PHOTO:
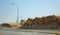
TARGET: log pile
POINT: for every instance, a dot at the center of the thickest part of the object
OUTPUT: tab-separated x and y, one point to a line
48	22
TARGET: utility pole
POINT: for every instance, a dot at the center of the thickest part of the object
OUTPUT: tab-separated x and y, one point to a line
17	20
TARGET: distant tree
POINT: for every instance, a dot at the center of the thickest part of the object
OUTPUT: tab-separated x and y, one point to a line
5	25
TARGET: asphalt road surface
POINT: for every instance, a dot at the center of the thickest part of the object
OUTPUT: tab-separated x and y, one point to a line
4	32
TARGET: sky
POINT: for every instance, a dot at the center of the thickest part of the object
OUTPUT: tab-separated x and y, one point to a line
27	9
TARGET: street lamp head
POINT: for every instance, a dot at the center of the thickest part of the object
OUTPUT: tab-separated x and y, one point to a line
15	4
12	3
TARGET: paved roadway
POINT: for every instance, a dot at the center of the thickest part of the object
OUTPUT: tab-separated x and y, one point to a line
4	32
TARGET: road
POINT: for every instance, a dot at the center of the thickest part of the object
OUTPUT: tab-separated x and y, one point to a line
4	32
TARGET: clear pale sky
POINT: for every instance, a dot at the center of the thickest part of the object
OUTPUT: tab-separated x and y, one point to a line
27	9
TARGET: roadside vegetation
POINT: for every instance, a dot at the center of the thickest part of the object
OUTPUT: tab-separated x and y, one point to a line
45	22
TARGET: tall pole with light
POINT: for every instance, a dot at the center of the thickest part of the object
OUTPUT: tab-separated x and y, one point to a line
17	12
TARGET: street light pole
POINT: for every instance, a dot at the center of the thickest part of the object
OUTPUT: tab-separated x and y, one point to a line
17	12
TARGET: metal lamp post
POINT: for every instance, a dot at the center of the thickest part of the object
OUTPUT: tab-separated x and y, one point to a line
17	12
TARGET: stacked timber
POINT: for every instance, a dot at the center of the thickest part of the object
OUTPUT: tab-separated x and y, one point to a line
48	22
